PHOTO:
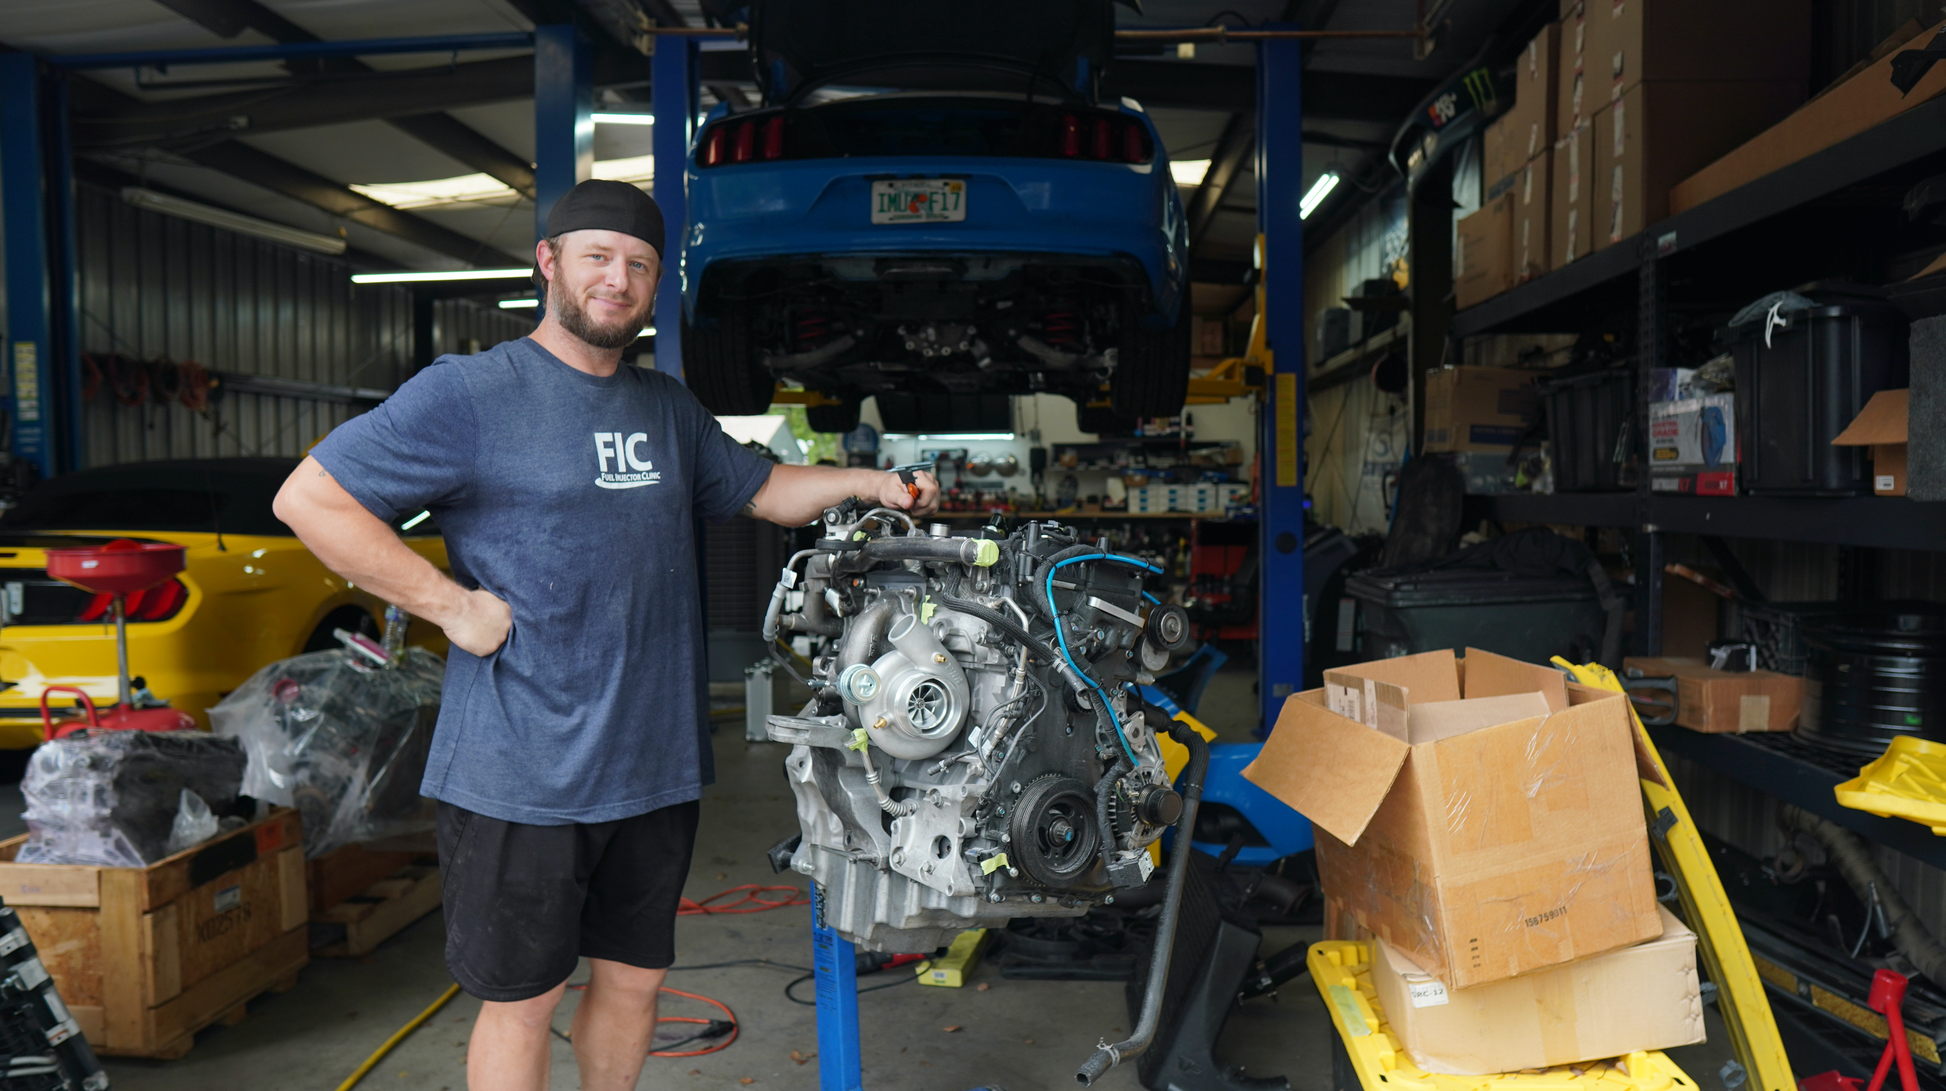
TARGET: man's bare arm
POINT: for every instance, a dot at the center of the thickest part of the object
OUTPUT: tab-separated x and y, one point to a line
795	495
357	545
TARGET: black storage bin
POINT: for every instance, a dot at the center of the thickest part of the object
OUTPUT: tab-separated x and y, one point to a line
1796	393
1523	617
1334	331
1587	428
1872	675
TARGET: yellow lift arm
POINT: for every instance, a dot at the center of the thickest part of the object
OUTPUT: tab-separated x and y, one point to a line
1739	991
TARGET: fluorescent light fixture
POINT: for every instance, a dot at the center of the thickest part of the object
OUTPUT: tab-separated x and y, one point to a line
636	168
518	304
464	189
1188	172
624	119
415	520
993	436
1320	189
231	221
435	277
647	332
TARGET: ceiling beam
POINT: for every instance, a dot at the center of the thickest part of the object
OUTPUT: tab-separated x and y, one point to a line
241	161
439	131
1342	96
1225	167
306	103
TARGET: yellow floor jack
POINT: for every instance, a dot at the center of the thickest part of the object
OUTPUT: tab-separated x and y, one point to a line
1377	1063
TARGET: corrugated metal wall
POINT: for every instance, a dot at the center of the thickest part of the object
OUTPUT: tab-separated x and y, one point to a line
154	287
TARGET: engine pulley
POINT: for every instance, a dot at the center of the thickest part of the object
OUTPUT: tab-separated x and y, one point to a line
1053	836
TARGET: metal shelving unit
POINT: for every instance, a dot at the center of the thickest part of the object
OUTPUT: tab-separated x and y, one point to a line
1780	766
1781	229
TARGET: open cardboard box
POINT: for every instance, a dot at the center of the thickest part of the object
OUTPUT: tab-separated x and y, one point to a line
1481	815
1638	998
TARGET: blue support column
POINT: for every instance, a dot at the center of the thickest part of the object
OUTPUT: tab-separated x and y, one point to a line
1281	610
564	116
673	85
840	1067
34	295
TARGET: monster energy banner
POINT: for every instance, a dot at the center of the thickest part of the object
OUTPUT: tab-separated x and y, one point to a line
1454	112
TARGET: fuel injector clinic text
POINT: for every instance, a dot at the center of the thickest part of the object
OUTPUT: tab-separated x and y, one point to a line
629	457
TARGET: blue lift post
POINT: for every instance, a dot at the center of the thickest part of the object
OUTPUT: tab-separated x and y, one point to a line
840	1065
673	90
564	116
39	278
1282	612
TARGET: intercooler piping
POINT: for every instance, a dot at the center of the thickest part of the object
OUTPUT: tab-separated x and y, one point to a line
1108	1056
1862	874
978	552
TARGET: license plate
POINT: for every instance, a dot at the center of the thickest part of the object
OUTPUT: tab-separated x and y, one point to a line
919	200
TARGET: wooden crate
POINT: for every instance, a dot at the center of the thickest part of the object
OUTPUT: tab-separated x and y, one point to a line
365	893
146	957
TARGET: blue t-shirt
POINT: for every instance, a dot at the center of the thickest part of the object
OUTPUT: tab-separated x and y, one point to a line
571	497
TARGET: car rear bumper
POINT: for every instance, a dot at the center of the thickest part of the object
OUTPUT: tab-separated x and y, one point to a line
817	209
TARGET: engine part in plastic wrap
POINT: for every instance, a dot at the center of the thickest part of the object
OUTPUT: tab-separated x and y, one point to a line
111	797
343	743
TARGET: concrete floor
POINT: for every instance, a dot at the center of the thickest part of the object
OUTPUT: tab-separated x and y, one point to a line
1021	1036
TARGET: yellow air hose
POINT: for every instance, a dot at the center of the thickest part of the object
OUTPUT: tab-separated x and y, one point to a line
417	1020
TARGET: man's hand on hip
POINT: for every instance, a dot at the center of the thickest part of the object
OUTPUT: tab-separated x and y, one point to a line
481	624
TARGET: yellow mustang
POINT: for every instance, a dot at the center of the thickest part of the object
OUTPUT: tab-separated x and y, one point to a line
251	594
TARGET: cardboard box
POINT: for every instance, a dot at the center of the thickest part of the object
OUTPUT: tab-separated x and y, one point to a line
1573	104
1633	41
1483	259
1496	161
1477	408
1533	217
1659	133
1572	202
1881	425
1692	436
1720	702
1483	816
1841	112
1638	998
1530	123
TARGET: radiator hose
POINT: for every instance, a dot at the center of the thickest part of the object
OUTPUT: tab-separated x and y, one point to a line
1862	874
1108	1056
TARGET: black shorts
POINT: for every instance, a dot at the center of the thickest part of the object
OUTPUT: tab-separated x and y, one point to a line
523	903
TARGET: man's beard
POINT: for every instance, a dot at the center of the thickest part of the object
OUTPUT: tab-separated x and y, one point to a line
568	311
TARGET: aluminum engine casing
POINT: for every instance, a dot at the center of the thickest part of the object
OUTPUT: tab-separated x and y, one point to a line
948	774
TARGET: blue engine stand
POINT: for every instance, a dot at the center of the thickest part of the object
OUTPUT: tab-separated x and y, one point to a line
835	959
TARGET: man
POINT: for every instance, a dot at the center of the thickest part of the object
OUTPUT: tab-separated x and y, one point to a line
572	743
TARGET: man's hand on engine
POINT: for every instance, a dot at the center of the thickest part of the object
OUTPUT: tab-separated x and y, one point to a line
921	497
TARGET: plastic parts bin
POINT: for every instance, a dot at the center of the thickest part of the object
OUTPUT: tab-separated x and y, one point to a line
1522	617
1801	378
1587	429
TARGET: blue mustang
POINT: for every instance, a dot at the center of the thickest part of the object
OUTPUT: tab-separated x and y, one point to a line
976	224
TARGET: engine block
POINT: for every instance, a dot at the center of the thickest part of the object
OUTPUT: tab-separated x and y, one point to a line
974	751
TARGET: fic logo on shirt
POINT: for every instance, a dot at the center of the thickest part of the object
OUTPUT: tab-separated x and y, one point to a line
632	470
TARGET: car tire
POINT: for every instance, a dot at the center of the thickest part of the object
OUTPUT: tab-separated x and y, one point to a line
721	367
352	619
1151	376
839	418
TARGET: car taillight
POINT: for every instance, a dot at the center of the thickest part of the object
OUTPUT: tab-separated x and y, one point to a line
155	604
743	140
1109	139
